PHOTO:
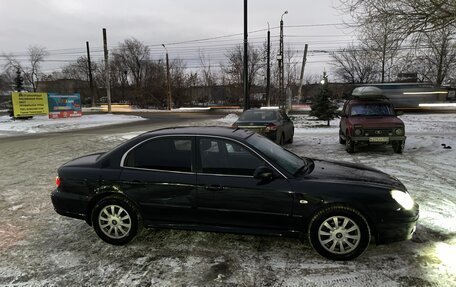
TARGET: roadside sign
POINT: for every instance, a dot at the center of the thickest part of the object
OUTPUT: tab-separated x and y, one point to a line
64	106
29	104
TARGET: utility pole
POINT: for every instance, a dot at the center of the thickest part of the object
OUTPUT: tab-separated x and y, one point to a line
280	59
89	65
301	78
246	67
168	80
108	77
268	70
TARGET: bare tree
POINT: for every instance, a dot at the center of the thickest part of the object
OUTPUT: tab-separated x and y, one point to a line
234	70
290	66
208	76
410	16
154	85
7	79
384	41
355	65
436	55
178	81
32	72
134	55
78	70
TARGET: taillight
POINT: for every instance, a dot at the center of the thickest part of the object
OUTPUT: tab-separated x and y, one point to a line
271	128
57	181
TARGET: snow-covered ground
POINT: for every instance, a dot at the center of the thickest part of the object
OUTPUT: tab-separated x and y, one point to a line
40	248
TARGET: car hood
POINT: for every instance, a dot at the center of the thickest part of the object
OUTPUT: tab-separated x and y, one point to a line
351	172
253	123
376	121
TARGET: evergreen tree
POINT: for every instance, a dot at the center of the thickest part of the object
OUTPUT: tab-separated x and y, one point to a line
19	81
322	106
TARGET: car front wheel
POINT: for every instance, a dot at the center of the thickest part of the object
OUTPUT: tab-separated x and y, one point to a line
115	220
281	139
398	146
339	233
349	145
341	139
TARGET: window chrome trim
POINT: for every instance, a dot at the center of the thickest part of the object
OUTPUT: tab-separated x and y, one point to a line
122	161
227	175
124	156
159	170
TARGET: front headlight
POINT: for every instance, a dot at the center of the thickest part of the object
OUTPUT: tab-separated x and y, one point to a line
399	131
358	130
403	198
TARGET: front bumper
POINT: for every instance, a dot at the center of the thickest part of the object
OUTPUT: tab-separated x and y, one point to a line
397	227
69	204
378	140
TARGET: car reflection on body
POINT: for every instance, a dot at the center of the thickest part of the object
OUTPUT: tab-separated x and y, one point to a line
233	180
272	123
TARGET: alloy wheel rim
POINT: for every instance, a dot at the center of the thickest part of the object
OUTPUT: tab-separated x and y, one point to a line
339	235
114	221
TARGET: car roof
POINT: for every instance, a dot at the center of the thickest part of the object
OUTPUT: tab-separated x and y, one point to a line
261	110
367	92
230	132
368	101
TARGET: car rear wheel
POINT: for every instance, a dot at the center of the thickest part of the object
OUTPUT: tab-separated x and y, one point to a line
398	146
291	138
339	233
115	220
349	145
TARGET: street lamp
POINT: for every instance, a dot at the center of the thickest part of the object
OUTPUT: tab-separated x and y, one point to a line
280	59
168	78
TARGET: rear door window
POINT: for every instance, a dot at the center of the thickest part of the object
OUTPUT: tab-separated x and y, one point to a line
167	153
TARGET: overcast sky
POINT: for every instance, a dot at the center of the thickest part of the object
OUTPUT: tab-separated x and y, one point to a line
63	27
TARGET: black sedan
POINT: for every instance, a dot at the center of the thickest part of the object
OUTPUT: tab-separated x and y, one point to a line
272	123
233	180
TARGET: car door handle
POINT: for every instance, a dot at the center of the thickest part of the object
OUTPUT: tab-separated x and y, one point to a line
213	187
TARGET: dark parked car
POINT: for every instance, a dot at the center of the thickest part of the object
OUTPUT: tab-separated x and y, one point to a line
369	118
272	123
233	180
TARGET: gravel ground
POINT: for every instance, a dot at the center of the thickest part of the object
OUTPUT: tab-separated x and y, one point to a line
41	248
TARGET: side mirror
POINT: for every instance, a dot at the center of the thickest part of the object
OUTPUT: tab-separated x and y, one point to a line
263	173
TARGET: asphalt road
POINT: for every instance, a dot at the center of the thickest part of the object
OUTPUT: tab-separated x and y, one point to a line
152	121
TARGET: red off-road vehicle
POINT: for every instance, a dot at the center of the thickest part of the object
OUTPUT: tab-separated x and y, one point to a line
370	119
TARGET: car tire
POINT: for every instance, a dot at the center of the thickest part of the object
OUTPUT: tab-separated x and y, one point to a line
290	141
398	146
341	140
349	145
339	233
281	139
115	220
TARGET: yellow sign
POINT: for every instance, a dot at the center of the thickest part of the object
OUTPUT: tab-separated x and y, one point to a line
30	104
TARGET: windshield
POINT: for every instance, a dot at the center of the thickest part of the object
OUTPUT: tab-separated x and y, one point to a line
278	155
258	115
375	109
